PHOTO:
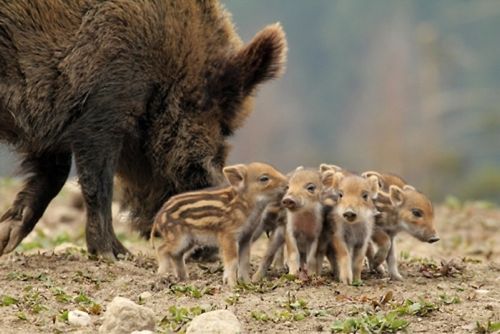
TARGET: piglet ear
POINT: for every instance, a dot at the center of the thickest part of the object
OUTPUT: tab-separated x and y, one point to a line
331	179
396	195
325	167
374	186
236	176
377	175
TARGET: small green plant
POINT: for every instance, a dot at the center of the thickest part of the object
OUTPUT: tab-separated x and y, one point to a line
190	290
8	300
178	317
489	327
82	298
370	323
447	300
421	308
63	315
233	299
292	309
61	296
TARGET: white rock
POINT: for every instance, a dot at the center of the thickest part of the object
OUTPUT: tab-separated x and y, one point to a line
142	332
145	295
79	318
214	322
123	316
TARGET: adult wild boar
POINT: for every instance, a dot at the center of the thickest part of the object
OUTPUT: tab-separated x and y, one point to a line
148	90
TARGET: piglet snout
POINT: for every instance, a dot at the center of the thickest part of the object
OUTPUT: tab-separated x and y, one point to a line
289	203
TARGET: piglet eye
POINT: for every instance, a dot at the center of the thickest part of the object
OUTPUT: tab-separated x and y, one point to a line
263	179
365	196
417	213
311	187
340	194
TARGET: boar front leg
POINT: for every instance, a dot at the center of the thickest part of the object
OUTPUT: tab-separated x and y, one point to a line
392	262
96	158
229	248
312	260
275	244
343	260
48	174
292	252
244	258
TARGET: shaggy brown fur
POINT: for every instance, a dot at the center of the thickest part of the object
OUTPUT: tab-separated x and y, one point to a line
145	89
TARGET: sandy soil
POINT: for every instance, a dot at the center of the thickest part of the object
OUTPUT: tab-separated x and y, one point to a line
450	287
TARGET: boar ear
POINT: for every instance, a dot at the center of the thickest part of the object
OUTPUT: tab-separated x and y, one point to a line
374	186
327	178
331	179
396	195
325	167
236	176
377	175
262	59
408	187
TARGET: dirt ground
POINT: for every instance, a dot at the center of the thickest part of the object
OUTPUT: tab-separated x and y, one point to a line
452	286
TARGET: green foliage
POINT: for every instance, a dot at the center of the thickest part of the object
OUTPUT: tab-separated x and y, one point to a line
191	290
371	323
233	299
421	308
177	317
489	327
8	300
292	309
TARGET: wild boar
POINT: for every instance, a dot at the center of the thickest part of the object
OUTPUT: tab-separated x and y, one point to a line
147	90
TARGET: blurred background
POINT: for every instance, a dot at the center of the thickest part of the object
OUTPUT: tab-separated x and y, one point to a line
408	86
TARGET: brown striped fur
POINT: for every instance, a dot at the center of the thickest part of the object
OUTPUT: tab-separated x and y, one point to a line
402	208
352	219
219	217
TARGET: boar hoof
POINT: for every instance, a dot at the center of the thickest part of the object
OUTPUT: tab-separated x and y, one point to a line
11	235
257	277
396	277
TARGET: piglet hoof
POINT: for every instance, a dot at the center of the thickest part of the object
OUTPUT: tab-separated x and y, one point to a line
11	235
303	275
257	277
396	277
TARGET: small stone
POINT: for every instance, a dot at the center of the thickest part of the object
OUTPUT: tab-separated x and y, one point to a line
79	318
482	291
142	332
145	295
215	322
123	316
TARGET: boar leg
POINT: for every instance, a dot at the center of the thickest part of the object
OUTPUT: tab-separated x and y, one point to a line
48	174
312	261
95	164
164	259
229	248
276	243
279	257
244	258
383	241
359	254
344	260
292	253
392	263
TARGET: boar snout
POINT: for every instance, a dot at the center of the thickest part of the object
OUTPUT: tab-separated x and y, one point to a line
350	215
433	239
289	203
